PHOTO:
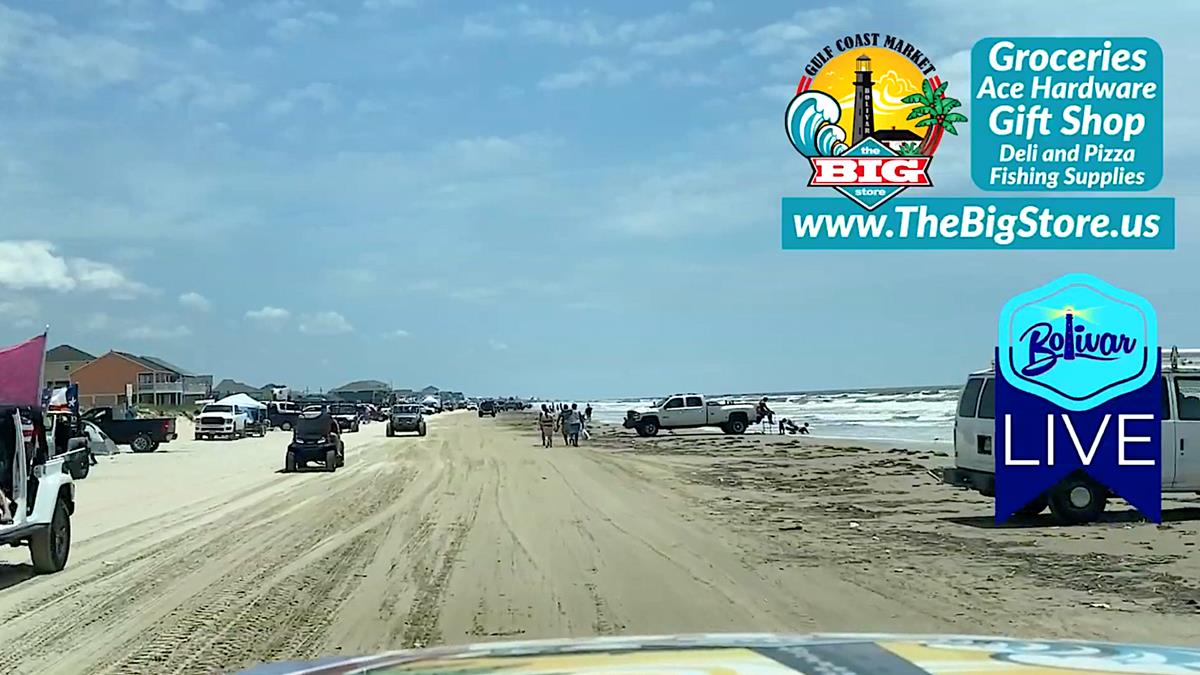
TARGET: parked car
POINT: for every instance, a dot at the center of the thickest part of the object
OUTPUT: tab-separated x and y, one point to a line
218	420
346	415
1078	498
48	492
487	408
141	434
406	417
690	411
282	414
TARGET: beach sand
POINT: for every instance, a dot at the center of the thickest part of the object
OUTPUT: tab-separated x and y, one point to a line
201	557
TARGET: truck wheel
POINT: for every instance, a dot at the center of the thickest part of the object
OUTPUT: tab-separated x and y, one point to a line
289	462
141	443
331	458
725	428
286	426
51	545
1033	508
1077	500
421	429
390	433
647	428
153	446
736	425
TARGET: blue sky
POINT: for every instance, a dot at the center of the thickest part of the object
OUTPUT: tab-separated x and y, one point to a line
538	198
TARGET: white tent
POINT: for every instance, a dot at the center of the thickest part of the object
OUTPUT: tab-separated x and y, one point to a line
241	400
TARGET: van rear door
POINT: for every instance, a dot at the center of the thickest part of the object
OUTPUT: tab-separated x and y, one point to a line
974	424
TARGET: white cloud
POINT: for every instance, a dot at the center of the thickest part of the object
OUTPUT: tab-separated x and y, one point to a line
291	27
200	92
272	317
201	45
497	345
193	6
702	6
20	311
806	25
194	300
593	71
145	332
582	28
398	333
34	265
37	44
682	44
95	322
325	323
320	94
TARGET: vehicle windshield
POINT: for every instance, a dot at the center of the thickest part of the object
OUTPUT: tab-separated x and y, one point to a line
343	409
218	409
406	409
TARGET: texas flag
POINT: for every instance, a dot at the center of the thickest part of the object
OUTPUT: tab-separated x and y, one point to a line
21	372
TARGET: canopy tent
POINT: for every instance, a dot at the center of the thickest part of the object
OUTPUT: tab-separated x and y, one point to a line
242	401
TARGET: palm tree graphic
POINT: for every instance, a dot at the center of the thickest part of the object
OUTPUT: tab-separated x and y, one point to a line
935	106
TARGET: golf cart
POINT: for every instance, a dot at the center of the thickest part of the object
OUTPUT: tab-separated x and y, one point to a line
40	488
314	440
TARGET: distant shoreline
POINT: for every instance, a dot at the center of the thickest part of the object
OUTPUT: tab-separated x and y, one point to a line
806	392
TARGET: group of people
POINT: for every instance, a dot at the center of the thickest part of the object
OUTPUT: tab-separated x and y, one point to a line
570	421
786	426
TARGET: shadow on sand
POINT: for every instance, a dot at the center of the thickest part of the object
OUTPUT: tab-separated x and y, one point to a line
1176	515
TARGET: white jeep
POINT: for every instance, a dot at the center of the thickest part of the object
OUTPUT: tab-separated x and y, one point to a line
1078	498
690	411
44	498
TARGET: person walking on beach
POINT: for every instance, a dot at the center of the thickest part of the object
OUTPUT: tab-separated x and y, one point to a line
587	413
574	420
546	423
563	413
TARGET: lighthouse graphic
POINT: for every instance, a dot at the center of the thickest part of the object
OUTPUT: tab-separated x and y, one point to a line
864	112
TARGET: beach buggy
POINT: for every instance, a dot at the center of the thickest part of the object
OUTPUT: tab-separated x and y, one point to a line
315	439
39	495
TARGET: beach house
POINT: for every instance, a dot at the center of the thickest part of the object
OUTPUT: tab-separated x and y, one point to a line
119	378
60	361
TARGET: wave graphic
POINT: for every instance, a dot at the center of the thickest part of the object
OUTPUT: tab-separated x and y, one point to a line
812	119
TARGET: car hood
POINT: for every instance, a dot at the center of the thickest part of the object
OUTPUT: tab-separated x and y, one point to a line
769	654
222	415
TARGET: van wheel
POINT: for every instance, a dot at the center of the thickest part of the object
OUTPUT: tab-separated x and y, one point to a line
1077	500
289	462
331	458
736	425
142	443
51	545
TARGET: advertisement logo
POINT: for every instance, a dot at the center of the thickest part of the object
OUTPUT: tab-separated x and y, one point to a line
1078	399
1078	342
870	118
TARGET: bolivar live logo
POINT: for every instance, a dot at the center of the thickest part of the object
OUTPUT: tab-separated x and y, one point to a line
1078	401
896	123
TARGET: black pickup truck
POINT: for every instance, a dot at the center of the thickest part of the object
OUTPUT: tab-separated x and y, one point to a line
141	435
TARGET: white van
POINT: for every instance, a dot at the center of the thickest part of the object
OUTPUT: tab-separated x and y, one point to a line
1078	499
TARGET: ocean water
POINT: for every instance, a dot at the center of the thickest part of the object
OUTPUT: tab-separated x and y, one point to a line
912	414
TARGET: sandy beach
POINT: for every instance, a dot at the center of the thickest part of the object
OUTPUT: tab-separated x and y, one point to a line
202	557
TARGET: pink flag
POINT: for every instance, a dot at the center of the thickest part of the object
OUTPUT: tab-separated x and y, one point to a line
21	372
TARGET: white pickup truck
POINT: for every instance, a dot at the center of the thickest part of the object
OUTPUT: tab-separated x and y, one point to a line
217	420
690	411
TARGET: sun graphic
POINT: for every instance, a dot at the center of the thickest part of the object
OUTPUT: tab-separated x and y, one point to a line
894	76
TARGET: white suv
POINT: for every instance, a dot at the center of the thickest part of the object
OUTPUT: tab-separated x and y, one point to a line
1079	499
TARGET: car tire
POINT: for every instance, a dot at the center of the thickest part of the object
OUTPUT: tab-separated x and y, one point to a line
142	443
286	426
421	429
736	425
390	432
1077	500
154	446
51	546
289	462
331	460
647	428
